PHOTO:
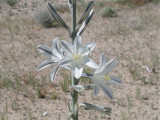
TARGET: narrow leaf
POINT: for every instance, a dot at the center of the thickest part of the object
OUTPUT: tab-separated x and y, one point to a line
85	23
99	108
70	5
57	17
69	116
82	88
85	14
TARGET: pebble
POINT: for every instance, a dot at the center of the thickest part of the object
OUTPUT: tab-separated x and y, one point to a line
24	5
45	114
145	98
59	108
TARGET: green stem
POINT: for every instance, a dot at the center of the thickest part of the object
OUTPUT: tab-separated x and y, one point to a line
74	94
74	21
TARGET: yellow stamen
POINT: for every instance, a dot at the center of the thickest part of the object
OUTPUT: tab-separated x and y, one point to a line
77	57
107	77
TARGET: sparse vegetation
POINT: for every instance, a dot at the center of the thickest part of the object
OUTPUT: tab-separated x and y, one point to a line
41	93
14	105
138	93
136	2
11	2
65	83
54	95
43	17
109	12
5	81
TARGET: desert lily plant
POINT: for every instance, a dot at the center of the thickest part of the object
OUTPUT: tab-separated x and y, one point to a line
75	57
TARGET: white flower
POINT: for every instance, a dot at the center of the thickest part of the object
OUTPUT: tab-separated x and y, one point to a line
55	54
77	56
101	78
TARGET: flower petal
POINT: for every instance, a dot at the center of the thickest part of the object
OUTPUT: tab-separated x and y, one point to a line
65	61
90	46
115	80
101	84
55	44
85	23
77	72
91	64
45	64
102	61
67	46
57	17
107	90
45	50
53	72
96	90
56	48
107	67
77	43
87	48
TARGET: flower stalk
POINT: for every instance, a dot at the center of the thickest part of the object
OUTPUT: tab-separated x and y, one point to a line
74	93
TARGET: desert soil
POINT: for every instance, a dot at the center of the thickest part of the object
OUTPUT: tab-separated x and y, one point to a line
133	37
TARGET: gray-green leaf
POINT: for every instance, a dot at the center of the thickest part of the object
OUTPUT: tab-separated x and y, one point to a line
85	23
57	17
85	14
81	88
99	108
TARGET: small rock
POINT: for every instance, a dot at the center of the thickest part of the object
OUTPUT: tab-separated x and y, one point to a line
24	5
45	114
59	108
145	98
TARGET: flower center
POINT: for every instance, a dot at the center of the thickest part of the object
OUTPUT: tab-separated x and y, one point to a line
77	57
107	77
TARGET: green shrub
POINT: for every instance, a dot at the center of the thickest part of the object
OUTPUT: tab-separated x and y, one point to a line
11	2
137	2
65	83
109	12
43	17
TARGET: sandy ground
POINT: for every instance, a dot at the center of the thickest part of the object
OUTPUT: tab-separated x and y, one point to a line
133	37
